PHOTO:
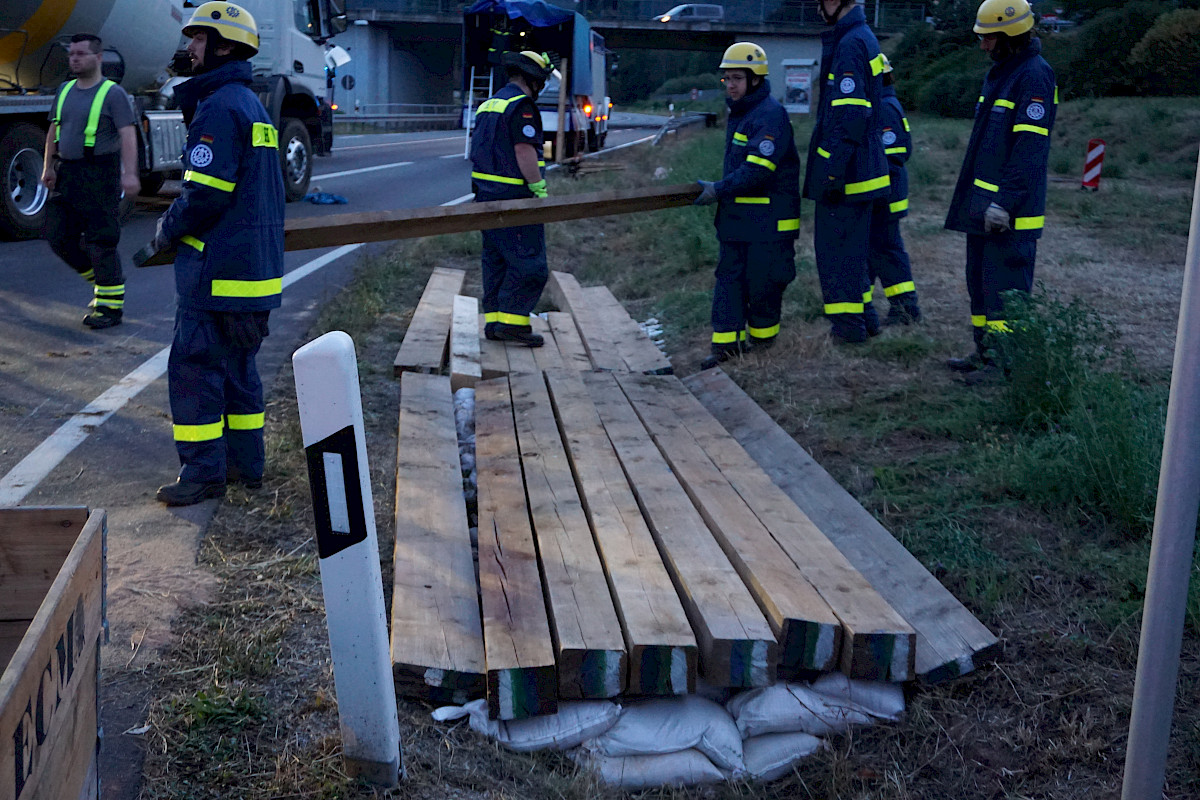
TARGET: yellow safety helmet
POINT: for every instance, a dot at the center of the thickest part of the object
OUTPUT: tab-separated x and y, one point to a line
745	55
1010	17
531	64
234	24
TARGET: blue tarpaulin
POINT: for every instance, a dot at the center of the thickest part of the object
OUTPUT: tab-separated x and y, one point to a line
537	13
562	33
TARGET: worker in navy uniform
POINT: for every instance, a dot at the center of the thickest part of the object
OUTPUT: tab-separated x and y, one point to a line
90	159
1000	198
506	165
758	211
228	227
847	172
888	260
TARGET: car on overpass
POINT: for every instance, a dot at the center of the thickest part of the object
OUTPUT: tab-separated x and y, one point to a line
693	12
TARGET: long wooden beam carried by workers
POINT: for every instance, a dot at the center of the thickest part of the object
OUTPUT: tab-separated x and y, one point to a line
308	233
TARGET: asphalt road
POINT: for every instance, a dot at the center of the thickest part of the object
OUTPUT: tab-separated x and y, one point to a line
85	419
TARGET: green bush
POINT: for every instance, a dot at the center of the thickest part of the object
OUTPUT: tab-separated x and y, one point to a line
1168	55
1098	64
685	83
952	93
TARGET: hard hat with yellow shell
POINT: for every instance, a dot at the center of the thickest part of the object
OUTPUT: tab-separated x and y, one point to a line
1010	17
233	23
745	55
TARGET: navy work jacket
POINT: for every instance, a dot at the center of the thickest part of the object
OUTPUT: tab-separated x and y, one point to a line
845	152
897	146
228	220
759	193
495	173
1009	149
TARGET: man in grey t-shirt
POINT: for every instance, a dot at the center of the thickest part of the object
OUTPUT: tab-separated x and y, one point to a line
91	158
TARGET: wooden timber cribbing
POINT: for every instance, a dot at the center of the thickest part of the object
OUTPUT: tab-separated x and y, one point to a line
660	642
737	645
877	643
493	355
437	639
425	341
950	641
587	634
809	633
465	367
611	338
521	677
336	230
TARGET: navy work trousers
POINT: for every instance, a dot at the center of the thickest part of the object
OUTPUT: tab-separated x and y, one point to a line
841	240
996	263
514	272
751	278
82	224
888	260
216	401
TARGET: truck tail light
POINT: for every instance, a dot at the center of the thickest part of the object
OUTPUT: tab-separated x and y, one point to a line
587	109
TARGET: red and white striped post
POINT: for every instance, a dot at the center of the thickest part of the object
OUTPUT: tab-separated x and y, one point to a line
1092	164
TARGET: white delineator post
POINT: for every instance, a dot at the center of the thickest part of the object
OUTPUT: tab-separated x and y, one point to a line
331	422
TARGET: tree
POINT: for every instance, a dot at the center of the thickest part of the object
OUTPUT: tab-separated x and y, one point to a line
1168	56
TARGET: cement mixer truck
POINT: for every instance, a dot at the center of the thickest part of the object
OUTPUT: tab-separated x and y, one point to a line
143	53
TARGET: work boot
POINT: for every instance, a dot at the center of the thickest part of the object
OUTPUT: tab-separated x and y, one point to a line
720	355
233	475
970	363
900	314
519	334
489	331
871	320
101	318
187	493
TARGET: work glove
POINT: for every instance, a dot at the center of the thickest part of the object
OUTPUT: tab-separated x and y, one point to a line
539	188
244	330
708	194
995	220
161	242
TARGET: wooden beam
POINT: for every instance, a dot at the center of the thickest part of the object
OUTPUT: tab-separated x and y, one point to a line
383	226
592	661
877	643
565	291
520	359
437	637
660	642
34	542
465	369
493	355
631	342
546	356
11	633
425	341
737	645
810	635
521	676
566	336
950	640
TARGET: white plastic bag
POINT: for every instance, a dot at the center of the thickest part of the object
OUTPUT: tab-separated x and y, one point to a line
772	755
881	700
669	725
793	707
684	768
574	722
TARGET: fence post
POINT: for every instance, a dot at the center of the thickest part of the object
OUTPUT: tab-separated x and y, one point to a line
1091	165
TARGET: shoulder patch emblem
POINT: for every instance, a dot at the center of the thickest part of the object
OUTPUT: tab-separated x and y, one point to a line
847	85
529	131
766	147
1035	111
889	137
201	156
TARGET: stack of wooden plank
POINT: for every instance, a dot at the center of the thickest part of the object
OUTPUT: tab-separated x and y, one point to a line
627	540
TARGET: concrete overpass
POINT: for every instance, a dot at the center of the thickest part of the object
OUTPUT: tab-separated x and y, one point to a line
410	51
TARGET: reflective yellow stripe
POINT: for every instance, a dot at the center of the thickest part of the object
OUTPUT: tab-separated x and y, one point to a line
881	182
245	422
998	325
491	316
193	241
724	337
227	288
107	291
741	137
978	320
1031	129
899	288
877	65
1028	223
263	134
868	294
209	180
982	184
757	201
62	96
843	308
764	333
762	162
108	302
89	276
511	319
851	101
823	153
93	120
1005	104
497	105
199	433
891	151
483	176
898	206
980	100
906	125
829	77
792	224
1055	95
541	164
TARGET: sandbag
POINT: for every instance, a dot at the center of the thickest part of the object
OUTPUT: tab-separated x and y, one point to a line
773	755
881	700
683	768
791	708
574	722
669	725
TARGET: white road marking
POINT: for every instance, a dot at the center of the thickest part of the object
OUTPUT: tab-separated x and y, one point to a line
395	144
454	155
344	173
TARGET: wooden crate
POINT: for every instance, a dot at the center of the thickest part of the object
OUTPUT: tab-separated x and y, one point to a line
51	621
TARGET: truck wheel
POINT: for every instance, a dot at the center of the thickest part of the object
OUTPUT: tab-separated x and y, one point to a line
23	203
295	158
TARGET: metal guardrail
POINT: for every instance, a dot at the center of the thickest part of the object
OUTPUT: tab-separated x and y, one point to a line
399	111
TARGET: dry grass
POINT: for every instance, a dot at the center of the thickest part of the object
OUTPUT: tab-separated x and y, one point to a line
246	703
